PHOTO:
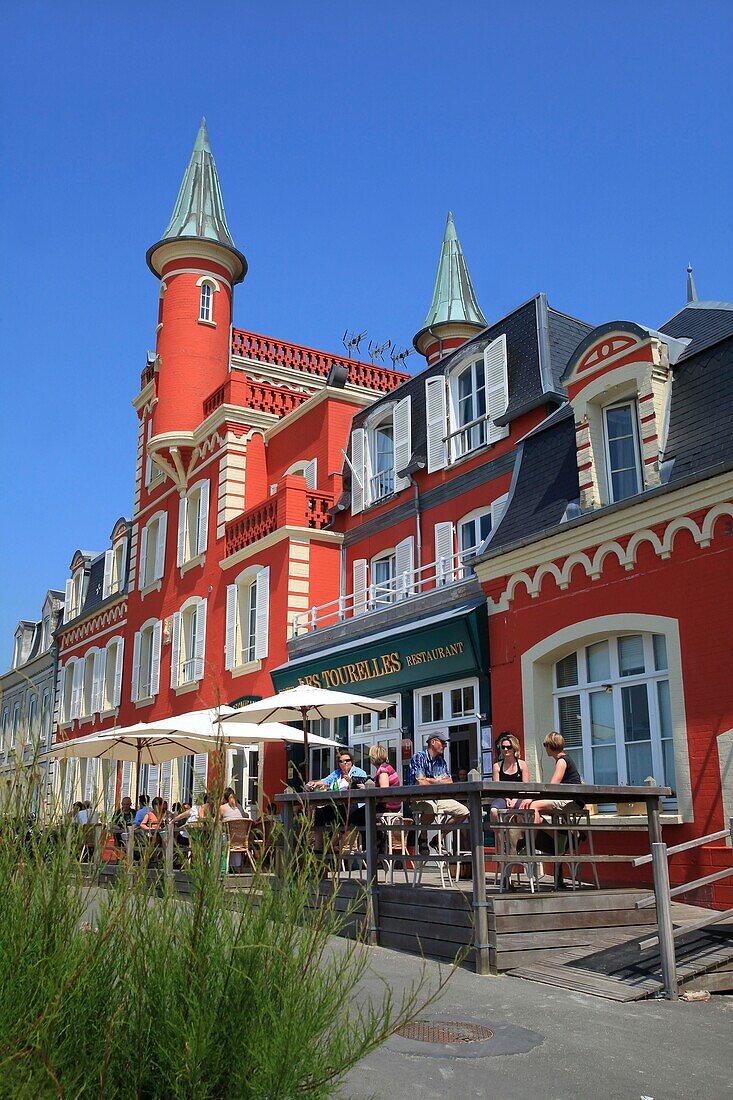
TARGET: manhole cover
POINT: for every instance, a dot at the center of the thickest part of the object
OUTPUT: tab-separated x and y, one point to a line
447	1031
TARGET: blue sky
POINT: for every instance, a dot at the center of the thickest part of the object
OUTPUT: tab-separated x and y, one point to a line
584	150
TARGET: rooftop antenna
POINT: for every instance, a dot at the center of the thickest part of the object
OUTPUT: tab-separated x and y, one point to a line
376	351
352	340
400	356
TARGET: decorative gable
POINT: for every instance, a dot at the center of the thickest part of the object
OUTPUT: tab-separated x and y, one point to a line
619	364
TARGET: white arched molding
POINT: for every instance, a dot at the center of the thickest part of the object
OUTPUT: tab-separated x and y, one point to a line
208	286
210	280
537	687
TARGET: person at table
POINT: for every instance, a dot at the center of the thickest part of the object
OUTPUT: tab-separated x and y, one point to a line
384	776
566	771
122	819
428	767
344	777
230	810
509	768
153	819
142	809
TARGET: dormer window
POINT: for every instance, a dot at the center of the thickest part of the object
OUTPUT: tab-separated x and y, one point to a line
379	451
623	456
114	568
73	596
469	402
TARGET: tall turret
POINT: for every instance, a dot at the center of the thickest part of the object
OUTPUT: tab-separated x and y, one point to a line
198	267
454	315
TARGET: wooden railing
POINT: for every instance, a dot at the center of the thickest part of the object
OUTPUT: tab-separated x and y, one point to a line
474	795
264	349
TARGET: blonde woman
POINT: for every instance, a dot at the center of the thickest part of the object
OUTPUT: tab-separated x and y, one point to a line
509	768
384	776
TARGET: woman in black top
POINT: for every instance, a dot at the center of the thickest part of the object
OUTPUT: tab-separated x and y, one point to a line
508	769
566	771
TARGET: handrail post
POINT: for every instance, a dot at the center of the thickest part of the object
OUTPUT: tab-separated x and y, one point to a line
372	865
478	870
287	816
660	867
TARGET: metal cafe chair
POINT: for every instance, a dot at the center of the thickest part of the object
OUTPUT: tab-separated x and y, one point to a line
516	825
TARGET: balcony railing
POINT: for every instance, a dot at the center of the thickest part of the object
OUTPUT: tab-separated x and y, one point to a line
254	395
403	586
293	505
381	485
469	437
264	349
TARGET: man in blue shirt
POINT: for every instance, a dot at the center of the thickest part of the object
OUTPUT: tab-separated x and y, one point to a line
345	776
143	808
427	768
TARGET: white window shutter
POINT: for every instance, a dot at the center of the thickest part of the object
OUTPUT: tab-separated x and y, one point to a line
262	613
360	586
67	599
497	387
402	432
176	649
200	645
155	642
109	768
98	680
153	780
143	557
230	637
118	674
182	510
404	567
108	562
126	781
135	687
310	473
497	510
160	546
444	553
122	578
166	780
77	687
358	473
203	531
200	773
91	780
436	422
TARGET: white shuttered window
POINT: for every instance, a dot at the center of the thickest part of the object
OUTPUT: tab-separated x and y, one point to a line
497	387
435	401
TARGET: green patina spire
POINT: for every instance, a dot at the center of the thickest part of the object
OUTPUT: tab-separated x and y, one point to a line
454	298
199	210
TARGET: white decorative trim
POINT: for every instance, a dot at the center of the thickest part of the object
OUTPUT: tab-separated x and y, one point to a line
205	276
154	586
198	560
300	534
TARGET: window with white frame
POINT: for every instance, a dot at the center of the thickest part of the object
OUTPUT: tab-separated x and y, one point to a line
206	302
45	633
91	665
114	568
322	757
379	451
74	595
248	618
15	728
32	730
612	706
462	408
152	471
152	550
623	450
72	689
193	522
307	469
5	729
450	709
383	729
46	718
111	674
390	576
146	661
189	643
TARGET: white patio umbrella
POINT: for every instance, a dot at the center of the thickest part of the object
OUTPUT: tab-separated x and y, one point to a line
303	703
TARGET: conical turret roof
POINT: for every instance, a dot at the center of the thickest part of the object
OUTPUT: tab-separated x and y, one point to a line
199	210
454	299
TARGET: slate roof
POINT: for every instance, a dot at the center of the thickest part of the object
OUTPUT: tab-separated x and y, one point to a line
703	323
539	341
699	438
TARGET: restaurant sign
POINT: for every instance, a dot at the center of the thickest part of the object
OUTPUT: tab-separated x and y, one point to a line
439	652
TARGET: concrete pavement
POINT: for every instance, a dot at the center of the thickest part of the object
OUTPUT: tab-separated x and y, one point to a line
584	1047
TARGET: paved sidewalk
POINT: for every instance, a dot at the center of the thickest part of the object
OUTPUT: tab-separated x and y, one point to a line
578	1046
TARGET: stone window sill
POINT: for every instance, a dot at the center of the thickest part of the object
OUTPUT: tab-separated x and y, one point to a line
243	670
184	689
154	586
192	563
211	324
145	702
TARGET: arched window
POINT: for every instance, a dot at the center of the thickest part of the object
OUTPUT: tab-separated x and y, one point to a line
189	643
193	522
612	706
33	730
206	302
146	661
152	550
111	683
248	616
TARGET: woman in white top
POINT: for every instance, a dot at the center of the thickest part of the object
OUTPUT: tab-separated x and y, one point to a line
230	810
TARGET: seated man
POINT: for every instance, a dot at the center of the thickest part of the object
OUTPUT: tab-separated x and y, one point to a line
122	819
428	768
342	778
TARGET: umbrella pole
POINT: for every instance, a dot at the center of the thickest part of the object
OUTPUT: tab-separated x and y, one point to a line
306	763
137	777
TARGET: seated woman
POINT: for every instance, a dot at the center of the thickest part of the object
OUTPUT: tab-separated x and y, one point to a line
508	769
566	771
342	778
385	776
230	810
153	819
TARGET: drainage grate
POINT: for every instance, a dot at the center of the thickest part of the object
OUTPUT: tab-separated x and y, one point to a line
447	1031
